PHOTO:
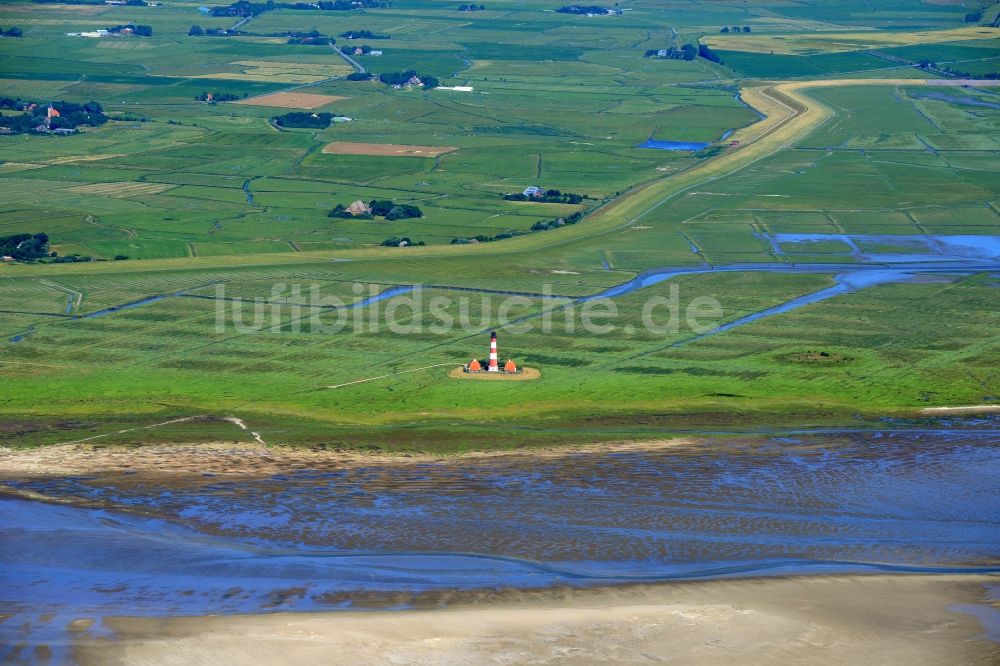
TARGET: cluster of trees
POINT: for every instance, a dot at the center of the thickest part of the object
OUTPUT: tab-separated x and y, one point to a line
555	224
26	123
581	9
25	247
471	8
735	28
137	30
360	76
71	115
340	210
33	247
245	8
977	16
11	32
686	52
379	208
393	211
401	78
312	38
218	97
363	34
349	50
395	241
548	196
708	54
303	119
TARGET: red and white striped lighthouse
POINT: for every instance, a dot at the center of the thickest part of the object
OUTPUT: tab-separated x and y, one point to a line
493	366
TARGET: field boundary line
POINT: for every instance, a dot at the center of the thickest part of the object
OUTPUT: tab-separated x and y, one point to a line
391	374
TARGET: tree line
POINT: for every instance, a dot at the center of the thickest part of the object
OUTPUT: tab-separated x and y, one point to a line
581	9
511	233
130	3
735	28
218	97
548	196
198	31
245	8
312	38
991	76
11	32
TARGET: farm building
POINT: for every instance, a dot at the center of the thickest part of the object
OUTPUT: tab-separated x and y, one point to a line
359	208
532	191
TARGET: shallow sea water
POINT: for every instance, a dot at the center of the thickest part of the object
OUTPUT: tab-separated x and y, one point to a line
334	537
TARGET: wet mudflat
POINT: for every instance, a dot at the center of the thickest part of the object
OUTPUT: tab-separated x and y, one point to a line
331	535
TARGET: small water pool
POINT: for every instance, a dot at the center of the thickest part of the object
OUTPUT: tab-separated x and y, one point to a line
692	146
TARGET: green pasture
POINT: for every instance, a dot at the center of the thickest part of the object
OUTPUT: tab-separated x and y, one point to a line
171	356
560	102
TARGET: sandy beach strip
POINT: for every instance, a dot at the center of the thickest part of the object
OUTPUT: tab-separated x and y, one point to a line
252	460
965	409
808	620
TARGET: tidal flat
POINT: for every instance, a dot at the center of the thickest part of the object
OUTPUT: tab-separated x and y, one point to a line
93	533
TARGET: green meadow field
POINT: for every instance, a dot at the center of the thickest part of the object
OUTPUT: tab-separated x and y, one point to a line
216	208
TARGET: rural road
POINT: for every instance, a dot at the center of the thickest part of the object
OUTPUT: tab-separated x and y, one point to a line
354	63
